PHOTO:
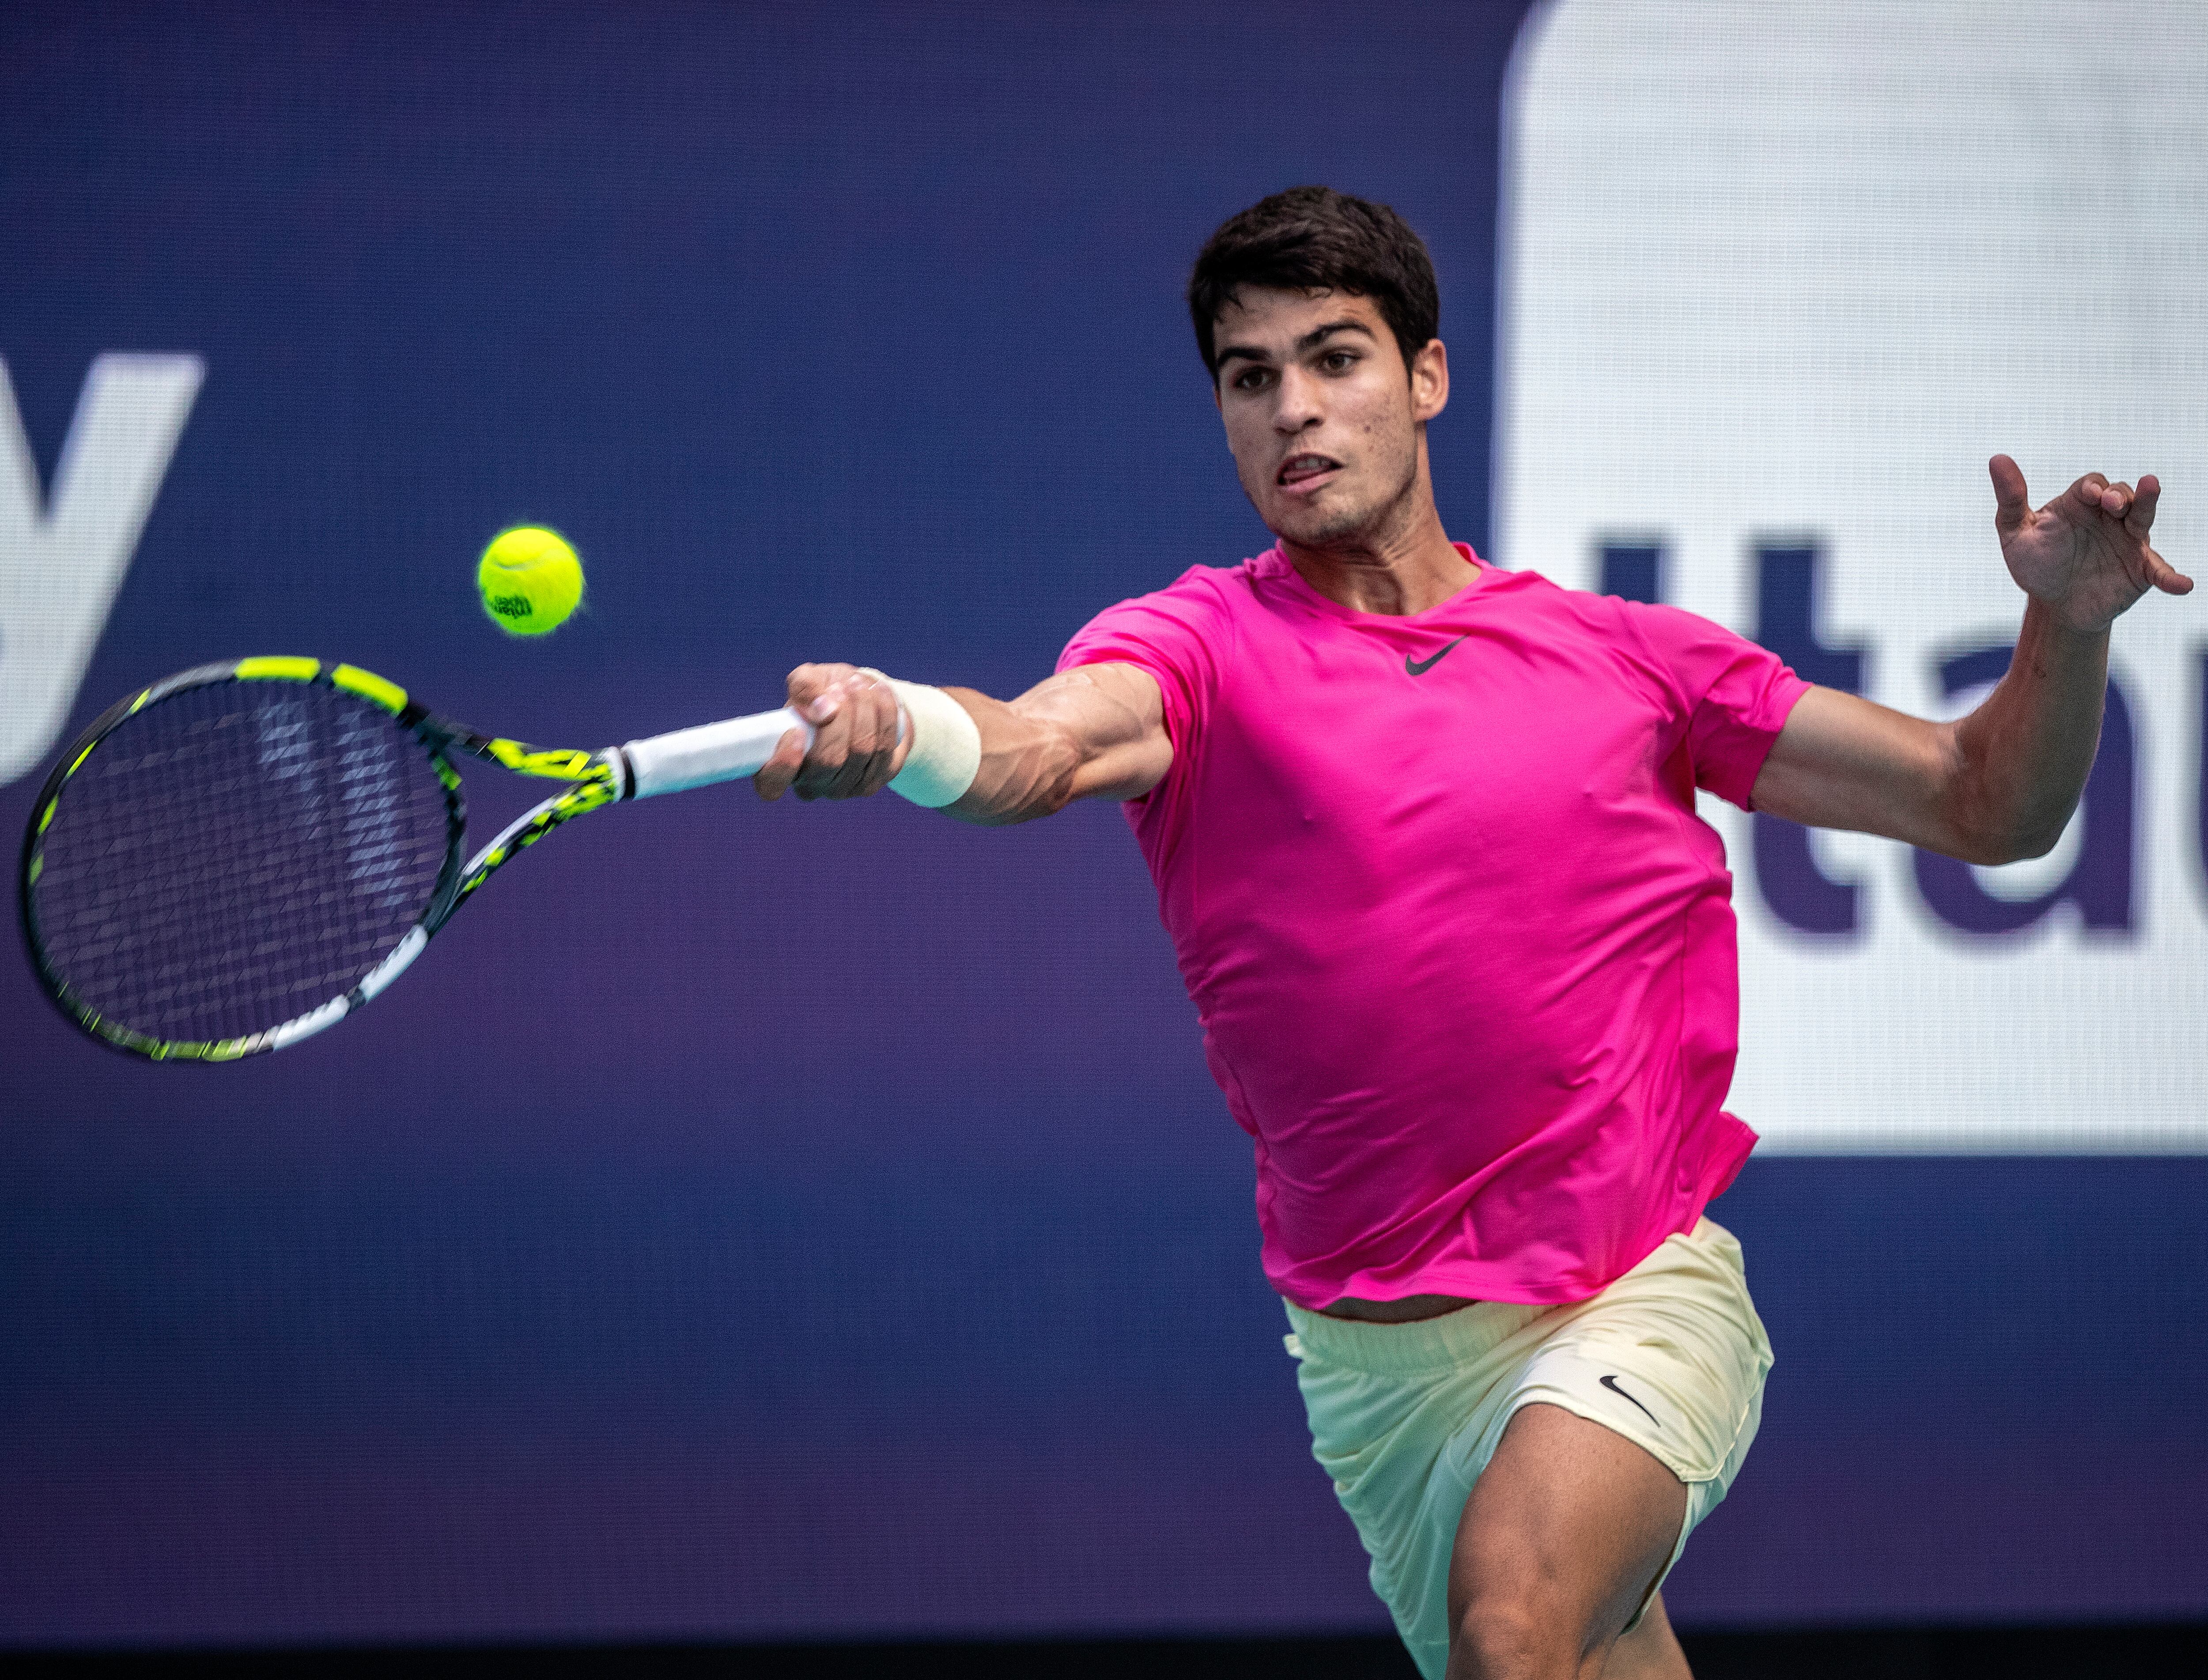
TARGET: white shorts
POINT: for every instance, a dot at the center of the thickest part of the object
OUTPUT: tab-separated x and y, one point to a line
1404	1416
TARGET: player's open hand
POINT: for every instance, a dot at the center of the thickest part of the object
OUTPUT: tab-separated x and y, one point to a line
2086	554
857	742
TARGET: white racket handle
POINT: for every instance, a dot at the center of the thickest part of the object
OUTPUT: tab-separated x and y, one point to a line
725	752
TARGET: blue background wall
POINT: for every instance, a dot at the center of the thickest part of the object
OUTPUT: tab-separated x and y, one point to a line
804	1220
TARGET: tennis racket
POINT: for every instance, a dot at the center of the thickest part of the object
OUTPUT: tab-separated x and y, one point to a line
239	857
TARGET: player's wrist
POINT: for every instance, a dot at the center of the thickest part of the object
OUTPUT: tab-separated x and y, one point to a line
2069	619
943	754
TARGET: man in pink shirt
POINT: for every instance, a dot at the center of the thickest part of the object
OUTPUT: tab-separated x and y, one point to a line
1423	836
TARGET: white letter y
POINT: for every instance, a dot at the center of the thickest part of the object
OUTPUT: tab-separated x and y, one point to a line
61	564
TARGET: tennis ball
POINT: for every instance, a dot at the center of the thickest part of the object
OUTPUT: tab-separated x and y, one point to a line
530	580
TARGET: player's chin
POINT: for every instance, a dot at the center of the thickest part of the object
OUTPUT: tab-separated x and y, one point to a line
1313	523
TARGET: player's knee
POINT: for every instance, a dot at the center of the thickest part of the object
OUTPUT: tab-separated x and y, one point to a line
1515	1632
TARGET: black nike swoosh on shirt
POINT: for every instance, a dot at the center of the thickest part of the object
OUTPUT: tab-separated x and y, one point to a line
1611	1383
1420	667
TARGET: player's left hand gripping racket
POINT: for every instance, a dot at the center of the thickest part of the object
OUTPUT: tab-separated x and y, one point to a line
245	854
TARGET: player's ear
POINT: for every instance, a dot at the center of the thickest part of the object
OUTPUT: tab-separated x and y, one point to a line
1430	381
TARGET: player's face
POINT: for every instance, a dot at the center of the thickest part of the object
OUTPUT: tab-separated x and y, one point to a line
1324	420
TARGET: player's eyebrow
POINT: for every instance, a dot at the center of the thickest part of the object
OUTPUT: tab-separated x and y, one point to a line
1318	335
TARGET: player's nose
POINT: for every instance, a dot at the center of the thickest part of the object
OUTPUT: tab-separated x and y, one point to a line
1298	404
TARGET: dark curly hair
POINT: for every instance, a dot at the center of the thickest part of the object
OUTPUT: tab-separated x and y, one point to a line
1310	238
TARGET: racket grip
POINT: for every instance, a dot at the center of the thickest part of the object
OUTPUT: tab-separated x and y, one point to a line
698	758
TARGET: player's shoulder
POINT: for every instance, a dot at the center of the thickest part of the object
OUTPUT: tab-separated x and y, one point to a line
1534	592
1681	653
1610	629
1188	622
1226	583
1201	591
1605	615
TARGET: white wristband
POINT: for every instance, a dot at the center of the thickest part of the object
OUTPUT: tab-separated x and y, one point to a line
945	753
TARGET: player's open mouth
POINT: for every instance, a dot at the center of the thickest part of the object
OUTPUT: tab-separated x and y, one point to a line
1305	473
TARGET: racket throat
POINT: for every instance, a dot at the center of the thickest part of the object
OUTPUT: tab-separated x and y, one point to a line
617	758
400	959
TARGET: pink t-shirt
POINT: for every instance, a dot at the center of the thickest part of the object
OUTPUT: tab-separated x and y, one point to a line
1462	950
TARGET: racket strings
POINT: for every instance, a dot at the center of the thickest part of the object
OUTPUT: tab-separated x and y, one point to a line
235	855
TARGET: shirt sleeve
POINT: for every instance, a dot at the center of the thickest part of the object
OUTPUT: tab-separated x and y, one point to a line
1736	695
1177	634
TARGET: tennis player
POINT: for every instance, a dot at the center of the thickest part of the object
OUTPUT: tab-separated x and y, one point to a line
1423	835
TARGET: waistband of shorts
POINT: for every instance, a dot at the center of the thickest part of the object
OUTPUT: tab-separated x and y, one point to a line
1451	1340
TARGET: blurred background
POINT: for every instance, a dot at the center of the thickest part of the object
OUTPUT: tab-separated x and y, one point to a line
812	1227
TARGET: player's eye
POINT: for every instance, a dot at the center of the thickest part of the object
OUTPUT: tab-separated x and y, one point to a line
1339	361
1249	379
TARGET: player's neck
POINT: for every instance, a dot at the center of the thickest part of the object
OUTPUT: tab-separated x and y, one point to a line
1406	568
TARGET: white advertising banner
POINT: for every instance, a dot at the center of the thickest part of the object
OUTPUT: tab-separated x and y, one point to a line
1776	281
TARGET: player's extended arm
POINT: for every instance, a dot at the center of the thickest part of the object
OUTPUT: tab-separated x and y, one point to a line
1094	732
2000	784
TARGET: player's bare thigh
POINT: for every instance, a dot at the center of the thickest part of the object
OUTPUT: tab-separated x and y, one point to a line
1566	1530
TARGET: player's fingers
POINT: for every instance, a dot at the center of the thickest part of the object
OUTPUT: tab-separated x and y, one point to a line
873	715
856	721
831	719
2081	502
871	773
2144	502
2116	500
809	685
2165	577
2011	501
804	684
884	720
772	779
845	710
839	776
845	746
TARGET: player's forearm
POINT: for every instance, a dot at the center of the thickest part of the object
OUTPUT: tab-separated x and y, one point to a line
1027	763
2020	760
1073	737
1093	731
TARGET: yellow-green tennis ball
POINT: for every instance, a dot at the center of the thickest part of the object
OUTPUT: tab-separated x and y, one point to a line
530	580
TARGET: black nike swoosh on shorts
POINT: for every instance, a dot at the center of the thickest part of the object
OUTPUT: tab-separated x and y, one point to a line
1611	1383
1420	667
